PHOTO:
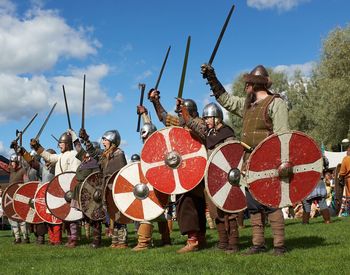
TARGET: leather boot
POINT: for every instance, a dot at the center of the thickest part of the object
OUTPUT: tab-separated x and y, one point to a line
277	226
240	219
191	246
40	239
258	229
326	215
120	236
144	237
209	220
164	232
96	234
306	217
233	237
223	236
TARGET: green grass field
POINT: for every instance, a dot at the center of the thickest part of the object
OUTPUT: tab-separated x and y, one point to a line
316	248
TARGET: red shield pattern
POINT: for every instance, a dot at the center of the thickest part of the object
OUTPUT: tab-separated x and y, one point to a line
284	168
7	202
23	202
173	161
58	195
225	194
135	197
41	207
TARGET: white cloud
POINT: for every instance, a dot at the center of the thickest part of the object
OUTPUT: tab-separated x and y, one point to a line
281	5
36	42
144	75
125	49
289	70
4	150
40	92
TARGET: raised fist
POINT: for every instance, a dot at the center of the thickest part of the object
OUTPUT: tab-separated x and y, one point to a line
14	145
141	110
153	95
83	135
207	71
20	151
34	144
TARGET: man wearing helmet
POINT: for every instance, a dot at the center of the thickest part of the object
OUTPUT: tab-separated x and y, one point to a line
263	113
64	162
145	229
18	175
190	208
110	161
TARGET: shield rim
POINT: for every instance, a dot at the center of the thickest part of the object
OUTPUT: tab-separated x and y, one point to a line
207	172
115	201
261	144
2	199
202	149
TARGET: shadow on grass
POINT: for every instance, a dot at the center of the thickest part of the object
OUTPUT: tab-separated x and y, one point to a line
306	242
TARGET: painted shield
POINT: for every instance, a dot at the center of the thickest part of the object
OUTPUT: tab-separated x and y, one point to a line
135	197
23	202
112	210
284	168
173	161
222	177
41	207
59	195
7	202
91	197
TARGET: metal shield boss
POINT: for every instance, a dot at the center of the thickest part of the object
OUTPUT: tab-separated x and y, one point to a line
173	161
59	195
222	177
112	210
7	202
41	207
135	197
23	202
91	197
284	168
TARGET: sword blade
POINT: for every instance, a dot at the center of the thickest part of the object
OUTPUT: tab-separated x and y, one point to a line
162	69
67	111
54	137
184	67
83	107
45	122
221	35
20	133
143	87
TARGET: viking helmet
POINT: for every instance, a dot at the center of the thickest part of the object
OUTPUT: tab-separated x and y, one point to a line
66	138
147	129
191	107
259	76
135	157
113	136
14	158
213	110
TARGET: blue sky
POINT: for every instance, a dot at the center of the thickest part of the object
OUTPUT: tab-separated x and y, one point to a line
118	44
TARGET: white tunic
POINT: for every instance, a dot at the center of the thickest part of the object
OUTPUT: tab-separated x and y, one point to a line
64	162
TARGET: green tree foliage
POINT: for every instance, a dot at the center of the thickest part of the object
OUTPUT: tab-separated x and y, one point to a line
330	94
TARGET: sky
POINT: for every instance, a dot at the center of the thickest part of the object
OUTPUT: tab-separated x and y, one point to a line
118	44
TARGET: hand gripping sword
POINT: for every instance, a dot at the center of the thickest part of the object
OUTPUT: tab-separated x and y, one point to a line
45	122
221	35
142	87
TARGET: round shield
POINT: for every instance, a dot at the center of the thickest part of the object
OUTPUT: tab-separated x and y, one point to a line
135	197
223	175
91	197
7	202
112	210
23	202
283	169
41	207
173	161
59	195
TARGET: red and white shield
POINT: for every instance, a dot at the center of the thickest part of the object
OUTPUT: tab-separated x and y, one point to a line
112	210
223	176
59	195
173	161
284	168
135	197
7	202
91	197
41	207
23	202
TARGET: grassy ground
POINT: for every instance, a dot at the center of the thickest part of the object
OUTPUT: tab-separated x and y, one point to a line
316	248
